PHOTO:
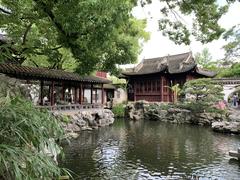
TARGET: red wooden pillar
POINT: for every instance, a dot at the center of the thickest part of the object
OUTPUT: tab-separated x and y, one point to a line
80	94
102	94
41	92
161	82
52	93
91	93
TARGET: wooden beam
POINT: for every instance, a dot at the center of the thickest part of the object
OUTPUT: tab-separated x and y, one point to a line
41	92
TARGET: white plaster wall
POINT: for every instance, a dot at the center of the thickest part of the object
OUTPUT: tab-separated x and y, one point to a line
228	90
87	95
122	98
34	92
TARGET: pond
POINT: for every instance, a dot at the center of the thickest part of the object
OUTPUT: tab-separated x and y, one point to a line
152	150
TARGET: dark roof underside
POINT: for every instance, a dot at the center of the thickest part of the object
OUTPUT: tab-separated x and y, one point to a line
44	73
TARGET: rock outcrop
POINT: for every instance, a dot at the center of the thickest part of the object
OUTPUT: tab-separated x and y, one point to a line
169	113
226	127
73	122
225	123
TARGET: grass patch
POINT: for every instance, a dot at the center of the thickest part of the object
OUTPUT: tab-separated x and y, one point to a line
119	110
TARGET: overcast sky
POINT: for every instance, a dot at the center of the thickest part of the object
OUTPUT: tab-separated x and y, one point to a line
159	45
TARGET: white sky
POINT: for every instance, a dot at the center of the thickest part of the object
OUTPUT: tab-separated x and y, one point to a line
158	45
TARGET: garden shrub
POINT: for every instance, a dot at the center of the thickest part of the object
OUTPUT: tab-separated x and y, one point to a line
202	95
24	133
118	110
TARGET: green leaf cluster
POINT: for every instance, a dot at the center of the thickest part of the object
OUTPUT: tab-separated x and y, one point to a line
205	16
79	35
24	133
232	48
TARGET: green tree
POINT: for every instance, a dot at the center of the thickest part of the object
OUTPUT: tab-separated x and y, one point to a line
97	34
232	48
233	71
205	13
205	60
202	94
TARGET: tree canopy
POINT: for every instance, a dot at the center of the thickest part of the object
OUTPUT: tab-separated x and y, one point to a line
232	48
85	36
93	34
205	60
205	16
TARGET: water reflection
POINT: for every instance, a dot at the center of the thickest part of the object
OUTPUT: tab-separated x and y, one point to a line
152	150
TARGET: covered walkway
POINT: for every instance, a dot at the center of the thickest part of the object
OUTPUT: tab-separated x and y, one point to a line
58	89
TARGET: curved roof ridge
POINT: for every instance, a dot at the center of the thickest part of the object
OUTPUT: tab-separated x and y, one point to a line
46	73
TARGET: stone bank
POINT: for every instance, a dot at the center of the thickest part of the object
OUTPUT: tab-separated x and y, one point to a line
89	119
157	111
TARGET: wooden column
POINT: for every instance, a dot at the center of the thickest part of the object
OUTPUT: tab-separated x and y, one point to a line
63	92
95	96
162	96
135	90
52	93
80	94
102	94
75	95
41	92
91	93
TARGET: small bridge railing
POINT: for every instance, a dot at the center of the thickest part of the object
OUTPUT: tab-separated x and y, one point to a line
70	107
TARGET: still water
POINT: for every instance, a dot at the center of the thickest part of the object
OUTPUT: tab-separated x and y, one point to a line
152	150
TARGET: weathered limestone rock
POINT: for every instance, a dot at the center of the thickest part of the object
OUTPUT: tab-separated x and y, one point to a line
169	113
85	120
226	127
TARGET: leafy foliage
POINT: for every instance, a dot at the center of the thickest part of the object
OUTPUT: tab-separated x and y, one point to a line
118	110
202	94
233	71
25	133
176	92
95	34
232	48
205	13
205	60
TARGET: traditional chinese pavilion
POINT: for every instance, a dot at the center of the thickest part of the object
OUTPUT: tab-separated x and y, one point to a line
58	88
150	80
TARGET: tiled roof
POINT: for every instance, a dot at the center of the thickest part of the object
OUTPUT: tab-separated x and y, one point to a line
173	64
44	73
